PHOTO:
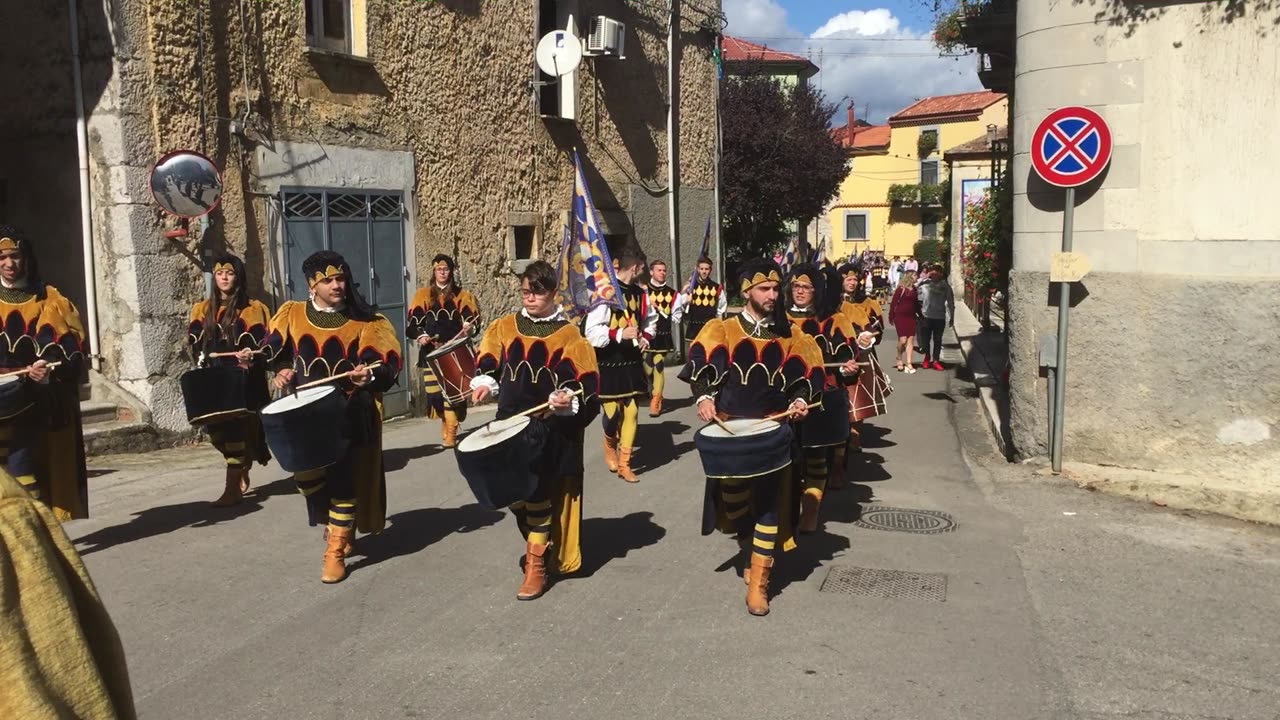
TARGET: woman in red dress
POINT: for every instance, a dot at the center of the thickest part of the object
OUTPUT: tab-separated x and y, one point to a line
903	309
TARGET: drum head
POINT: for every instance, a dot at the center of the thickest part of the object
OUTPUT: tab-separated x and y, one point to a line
493	433
9	379
297	400
741	427
447	347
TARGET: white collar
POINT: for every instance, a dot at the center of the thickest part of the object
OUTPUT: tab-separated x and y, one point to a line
21	284
796	309
757	324
557	315
336	308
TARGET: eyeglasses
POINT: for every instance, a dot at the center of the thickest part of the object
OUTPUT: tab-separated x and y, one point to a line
802	287
525	292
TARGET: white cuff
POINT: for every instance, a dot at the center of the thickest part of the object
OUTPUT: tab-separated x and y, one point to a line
704	397
485	381
566	412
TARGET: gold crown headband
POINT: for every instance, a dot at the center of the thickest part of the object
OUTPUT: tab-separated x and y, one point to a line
802	279
219	267
760	278
441	264
8	243
328	272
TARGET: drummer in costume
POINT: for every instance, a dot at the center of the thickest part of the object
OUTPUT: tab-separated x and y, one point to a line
868	396
620	337
815	311
41	442
230	322
750	366
660	297
864	310
335	332
700	303
437	314
527	359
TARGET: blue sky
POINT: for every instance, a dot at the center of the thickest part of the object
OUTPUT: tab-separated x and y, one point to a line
875	52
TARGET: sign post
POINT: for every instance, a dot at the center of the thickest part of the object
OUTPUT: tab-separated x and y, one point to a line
1070	147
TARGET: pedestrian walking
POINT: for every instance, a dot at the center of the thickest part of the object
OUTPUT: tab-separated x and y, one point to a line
903	309
937	305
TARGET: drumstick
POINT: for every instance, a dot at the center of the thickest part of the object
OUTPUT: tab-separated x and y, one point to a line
789	411
331	378
724	427
836	365
543	406
28	369
233	354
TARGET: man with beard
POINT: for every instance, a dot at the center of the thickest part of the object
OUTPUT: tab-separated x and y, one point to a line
336	332
701	302
41	443
753	365
439	313
660	297
620	337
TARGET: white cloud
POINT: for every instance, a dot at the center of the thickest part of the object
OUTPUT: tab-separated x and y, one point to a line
868	56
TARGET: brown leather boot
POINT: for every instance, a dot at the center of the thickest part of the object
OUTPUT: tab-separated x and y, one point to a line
535	573
449	432
611	453
350	546
809	503
624	465
337	545
231	493
655	406
244	478
758	585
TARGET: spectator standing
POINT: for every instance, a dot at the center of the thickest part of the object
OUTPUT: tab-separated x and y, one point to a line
895	271
903	309
938	306
911	265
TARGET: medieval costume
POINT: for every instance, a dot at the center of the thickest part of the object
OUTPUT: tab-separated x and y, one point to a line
222	325
836	337
318	342
523	360
439	312
700	303
660	298
869	395
752	367
41	442
622	376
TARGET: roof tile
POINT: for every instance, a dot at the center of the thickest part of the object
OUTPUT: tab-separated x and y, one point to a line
947	105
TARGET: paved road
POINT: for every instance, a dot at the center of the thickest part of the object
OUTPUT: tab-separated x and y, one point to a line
1117	610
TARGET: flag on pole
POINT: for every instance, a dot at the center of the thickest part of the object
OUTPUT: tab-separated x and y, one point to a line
586	270
820	253
706	245
790	256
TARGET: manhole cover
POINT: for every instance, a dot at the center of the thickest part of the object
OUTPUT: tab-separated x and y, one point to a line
923	522
892	584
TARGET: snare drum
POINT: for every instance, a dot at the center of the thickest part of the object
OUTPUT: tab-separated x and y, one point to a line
15	396
755	447
454	364
828	425
308	429
500	460
214	394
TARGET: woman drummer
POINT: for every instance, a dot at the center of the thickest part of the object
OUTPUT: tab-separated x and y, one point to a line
228	329
439	313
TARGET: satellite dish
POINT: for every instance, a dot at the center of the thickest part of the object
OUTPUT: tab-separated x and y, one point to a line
559	53
186	183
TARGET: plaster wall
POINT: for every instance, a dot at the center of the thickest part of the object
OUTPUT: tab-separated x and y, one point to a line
1172	363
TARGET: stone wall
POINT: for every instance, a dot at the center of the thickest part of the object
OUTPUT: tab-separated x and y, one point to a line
1172	361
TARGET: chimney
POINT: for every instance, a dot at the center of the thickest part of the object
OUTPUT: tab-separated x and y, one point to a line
848	133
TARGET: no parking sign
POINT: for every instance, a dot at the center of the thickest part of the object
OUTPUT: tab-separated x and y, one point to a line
1070	147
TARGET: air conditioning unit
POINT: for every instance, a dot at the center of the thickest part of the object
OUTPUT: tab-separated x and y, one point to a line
608	37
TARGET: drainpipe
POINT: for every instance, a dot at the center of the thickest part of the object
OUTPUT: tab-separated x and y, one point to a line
90	311
673	130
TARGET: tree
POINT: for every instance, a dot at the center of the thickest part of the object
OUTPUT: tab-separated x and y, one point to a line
779	162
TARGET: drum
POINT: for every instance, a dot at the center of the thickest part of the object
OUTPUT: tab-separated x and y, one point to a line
308	429
827	425
500	460
454	364
15	396
755	447
214	394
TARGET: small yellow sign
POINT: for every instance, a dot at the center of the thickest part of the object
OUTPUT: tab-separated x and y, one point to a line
1068	267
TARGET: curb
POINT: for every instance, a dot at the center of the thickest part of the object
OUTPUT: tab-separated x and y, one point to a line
984	379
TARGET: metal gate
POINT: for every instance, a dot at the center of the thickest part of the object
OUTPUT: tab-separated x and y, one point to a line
367	228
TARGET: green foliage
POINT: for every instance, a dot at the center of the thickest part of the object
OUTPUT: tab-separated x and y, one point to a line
946	30
988	241
915	194
931	250
927	143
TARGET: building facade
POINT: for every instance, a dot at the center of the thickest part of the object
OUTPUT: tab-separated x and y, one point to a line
387	131
892	197
1172	361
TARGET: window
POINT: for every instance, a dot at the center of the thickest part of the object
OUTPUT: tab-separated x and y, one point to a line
522	239
927	143
929	172
337	26
929	227
855	227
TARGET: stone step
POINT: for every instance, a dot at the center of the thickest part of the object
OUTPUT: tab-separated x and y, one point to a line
116	436
94	412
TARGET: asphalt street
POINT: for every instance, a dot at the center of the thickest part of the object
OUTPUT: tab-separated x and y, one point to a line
1043	601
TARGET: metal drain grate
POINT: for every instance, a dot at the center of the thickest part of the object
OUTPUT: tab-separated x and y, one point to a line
891	584
922	522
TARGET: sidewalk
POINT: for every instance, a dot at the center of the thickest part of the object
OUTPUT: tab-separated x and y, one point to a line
986	354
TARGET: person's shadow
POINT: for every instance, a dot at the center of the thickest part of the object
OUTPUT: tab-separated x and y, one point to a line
845	506
607	539
812	552
398	458
164	519
657	441
413	530
872	436
861	467
669	405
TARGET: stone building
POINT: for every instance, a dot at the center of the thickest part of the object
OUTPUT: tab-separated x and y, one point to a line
388	130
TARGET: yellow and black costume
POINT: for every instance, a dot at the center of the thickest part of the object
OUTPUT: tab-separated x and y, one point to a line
622	375
41	440
661	298
439	313
317	344
699	304
524	360
837	338
868	397
225	325
754	367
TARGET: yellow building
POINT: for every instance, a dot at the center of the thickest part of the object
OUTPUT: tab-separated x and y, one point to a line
893	197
